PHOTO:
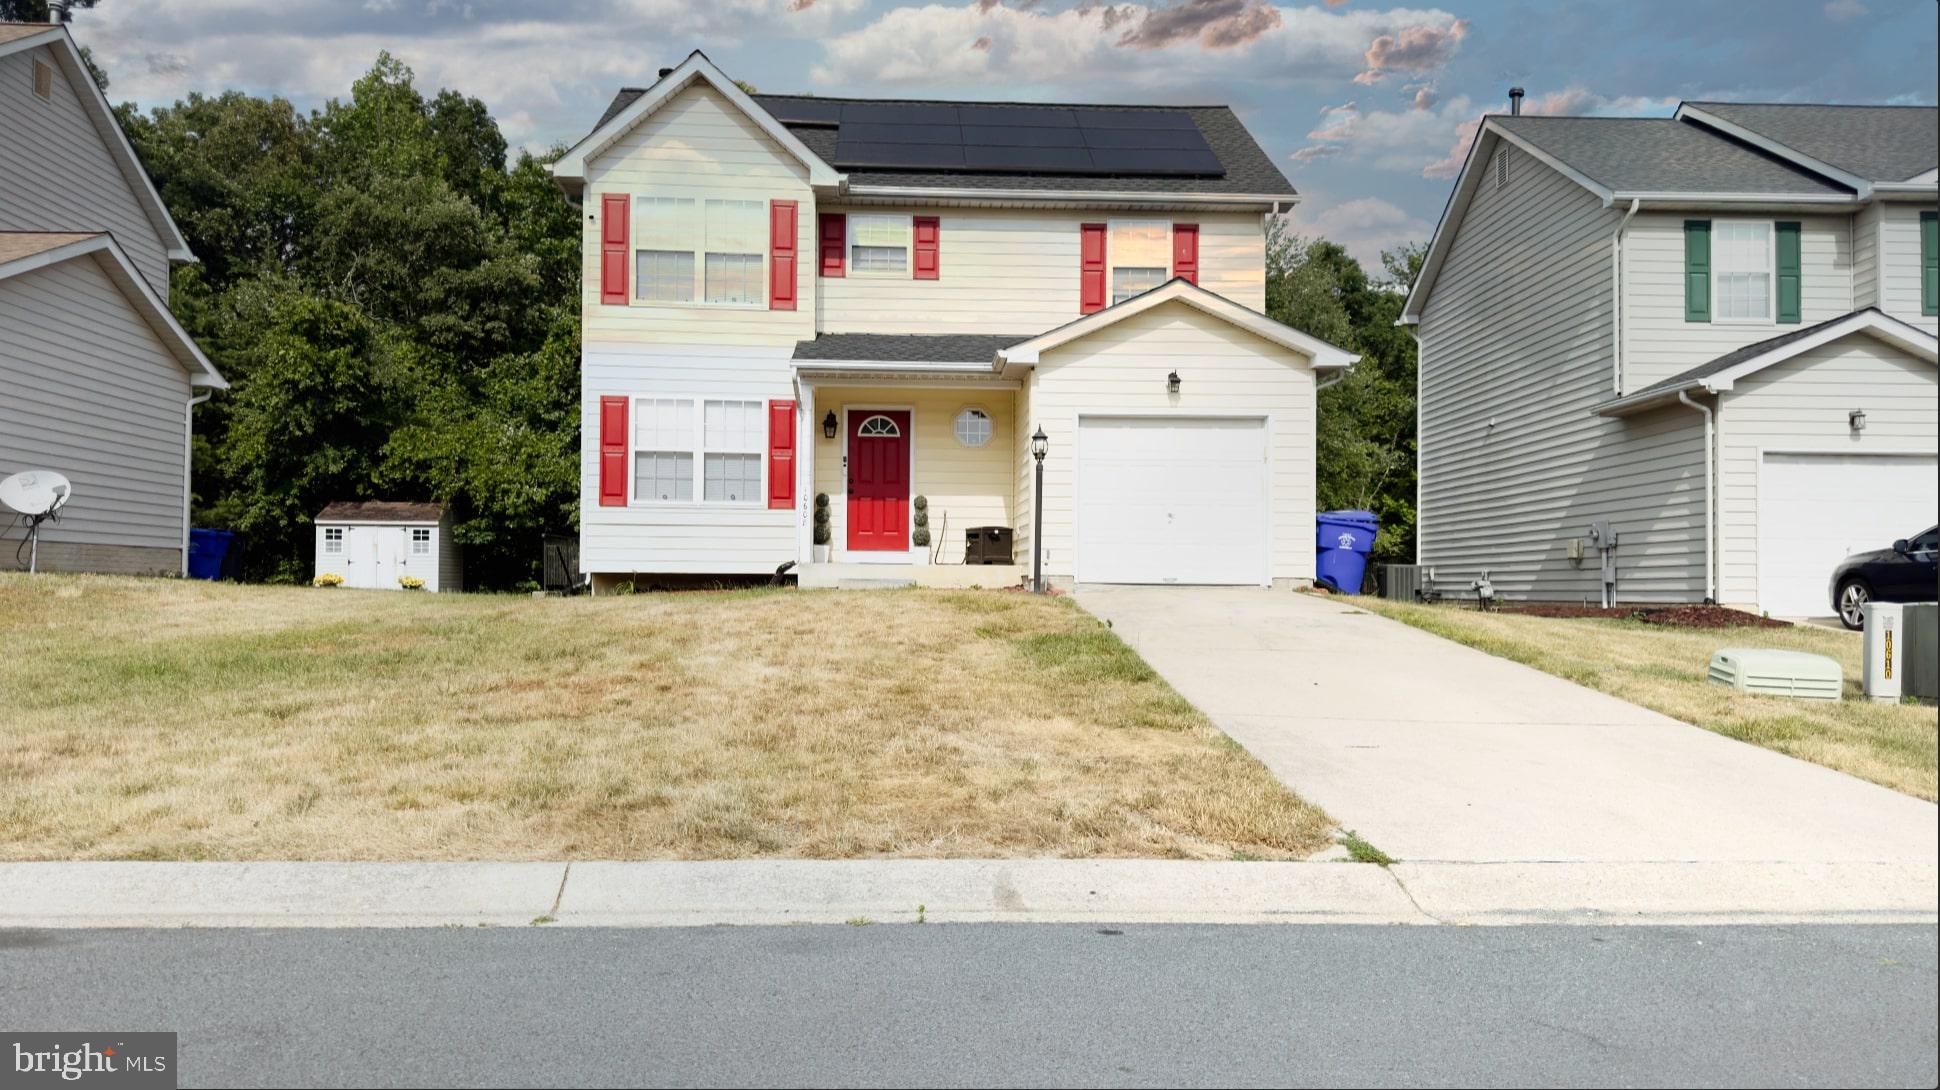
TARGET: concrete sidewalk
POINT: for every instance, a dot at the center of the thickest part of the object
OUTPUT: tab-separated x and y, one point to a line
661	894
1437	752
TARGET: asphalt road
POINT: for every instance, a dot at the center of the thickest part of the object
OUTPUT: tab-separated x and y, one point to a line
1002	1004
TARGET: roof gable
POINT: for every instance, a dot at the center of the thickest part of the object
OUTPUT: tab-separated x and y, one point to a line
1323	355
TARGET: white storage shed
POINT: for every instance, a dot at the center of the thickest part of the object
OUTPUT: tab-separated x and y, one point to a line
377	545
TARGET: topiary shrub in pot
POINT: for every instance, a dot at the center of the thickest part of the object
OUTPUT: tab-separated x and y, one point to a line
920	537
822	534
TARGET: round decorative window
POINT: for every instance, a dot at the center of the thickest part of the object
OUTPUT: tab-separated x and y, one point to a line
973	427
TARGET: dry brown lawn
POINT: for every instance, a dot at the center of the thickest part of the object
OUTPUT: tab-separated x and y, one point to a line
1665	669
163	719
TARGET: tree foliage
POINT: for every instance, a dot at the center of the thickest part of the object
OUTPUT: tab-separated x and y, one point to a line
1365	438
395	307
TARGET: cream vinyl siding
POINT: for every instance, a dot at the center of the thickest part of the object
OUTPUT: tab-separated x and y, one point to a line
709	538
1516	349
1016	271
698	146
1900	265
966	486
1865	256
57	173
1659	343
1802	405
87	390
1026	473
1224	371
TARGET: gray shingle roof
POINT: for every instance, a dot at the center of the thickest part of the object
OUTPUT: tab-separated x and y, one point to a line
908	348
1878	143
1739	355
1663	155
380	511
1249	170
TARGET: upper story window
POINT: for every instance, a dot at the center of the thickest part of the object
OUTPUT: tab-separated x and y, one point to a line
1742	270
43	80
333	540
1140	252
879	245
709	251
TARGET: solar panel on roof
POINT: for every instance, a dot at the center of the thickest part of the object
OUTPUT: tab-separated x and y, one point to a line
803	111
1035	117
1012	139
876	133
1021	137
883	113
1135	119
899	156
1029	160
1185	139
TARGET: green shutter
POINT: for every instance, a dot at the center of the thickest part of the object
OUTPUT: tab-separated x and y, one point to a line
1930	263
1789	272
1697	270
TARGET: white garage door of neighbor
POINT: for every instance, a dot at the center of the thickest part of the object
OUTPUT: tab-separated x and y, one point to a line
1814	510
1171	500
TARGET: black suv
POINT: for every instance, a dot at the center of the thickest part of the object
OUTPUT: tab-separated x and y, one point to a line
1903	573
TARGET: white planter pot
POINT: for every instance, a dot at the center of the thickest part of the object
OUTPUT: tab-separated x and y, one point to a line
820	553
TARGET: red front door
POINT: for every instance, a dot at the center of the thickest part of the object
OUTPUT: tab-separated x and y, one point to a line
878	480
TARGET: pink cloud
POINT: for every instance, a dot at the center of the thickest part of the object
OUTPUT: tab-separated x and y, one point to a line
1215	24
1418	48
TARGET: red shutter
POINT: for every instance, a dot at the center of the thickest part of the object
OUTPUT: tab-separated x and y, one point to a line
1091	267
834	233
612	452
1185	251
781	454
613	240
926	235
781	255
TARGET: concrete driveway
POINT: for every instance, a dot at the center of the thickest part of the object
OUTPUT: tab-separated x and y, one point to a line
1434	751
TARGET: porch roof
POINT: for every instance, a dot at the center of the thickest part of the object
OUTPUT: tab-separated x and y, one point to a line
907	348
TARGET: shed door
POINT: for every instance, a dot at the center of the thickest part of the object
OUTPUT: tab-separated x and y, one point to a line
375	555
1172	500
1814	510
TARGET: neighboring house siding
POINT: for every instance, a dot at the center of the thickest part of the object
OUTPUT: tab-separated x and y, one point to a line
966	486
1802	405
1016	271
1516	350
687	537
57	173
1226	372
1865	256
698	145
90	392
1659	343
1900	265
451	570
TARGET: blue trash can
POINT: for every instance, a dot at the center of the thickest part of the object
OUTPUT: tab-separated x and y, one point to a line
1343	540
207	548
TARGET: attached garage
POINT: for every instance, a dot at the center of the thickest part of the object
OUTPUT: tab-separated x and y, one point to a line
1816	509
1165	499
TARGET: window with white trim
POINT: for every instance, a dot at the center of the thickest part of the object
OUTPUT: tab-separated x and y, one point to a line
879	245
712	252
973	427
1140	252
732	440
1741	270
333	540
663	449
420	541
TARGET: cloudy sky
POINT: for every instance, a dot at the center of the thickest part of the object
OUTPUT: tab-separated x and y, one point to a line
1367	107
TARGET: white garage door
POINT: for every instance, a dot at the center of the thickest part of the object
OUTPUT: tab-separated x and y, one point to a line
1171	500
1815	510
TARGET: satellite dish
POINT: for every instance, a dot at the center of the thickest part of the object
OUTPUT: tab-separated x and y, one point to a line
35	492
38	495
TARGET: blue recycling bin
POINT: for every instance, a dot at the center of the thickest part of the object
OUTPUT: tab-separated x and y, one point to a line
207	550
1343	539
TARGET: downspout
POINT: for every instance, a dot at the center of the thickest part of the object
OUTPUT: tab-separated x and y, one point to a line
1616	298
188	467
1710	519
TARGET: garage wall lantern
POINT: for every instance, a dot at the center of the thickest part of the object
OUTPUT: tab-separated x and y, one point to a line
1857	419
829	425
1040	446
1172	383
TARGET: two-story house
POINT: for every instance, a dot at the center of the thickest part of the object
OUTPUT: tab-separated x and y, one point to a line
886	300
1710	338
96	377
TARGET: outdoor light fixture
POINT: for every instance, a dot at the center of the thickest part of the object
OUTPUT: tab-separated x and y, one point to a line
828	425
1040	446
1172	383
1857	419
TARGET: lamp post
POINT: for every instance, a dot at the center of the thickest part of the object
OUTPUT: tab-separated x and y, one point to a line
1040	446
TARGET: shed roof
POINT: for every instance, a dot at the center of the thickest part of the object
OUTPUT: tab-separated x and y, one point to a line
380	511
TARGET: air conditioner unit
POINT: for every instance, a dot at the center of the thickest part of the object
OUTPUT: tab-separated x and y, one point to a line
1777	673
1401	582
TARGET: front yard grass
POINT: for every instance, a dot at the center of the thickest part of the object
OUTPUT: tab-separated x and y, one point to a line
1664	669
163	719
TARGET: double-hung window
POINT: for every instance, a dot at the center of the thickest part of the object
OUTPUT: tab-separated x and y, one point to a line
687	449
879	245
1741	260
1140	252
711	251
732	438
663	449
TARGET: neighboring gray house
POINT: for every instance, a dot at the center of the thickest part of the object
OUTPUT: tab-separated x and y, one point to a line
96	377
1714	332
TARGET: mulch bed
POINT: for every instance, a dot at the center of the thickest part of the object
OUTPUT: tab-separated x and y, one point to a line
1668	616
